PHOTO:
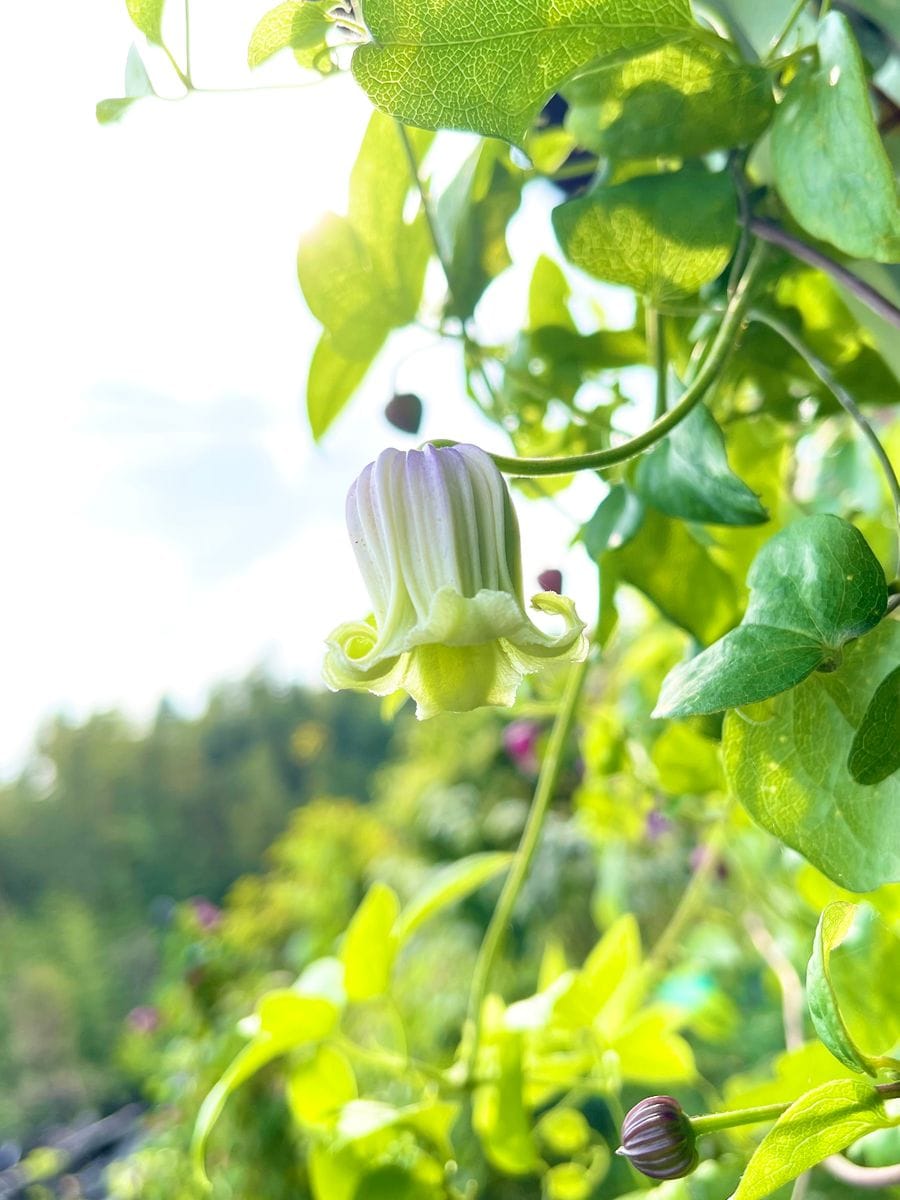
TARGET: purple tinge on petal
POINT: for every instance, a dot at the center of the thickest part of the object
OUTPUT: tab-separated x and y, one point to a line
551	581
520	742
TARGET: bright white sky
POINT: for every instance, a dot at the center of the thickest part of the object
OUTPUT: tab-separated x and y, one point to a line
167	523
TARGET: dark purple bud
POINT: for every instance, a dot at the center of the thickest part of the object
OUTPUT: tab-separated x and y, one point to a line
698	857
658	1139
404	411
550	581
520	742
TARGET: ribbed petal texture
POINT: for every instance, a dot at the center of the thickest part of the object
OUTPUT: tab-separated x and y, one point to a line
437	542
658	1139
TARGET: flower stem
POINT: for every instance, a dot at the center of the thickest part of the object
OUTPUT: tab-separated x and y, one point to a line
722	344
656	345
499	922
426	206
846	401
768	231
711	1122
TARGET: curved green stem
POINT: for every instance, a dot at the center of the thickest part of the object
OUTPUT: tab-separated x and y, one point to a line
426	206
846	401
656	345
499	922
711	1122
597	460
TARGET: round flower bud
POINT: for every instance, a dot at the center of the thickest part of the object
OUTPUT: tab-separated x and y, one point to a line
404	412
550	581
658	1139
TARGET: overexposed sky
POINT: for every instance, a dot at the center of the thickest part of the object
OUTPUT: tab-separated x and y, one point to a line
167	522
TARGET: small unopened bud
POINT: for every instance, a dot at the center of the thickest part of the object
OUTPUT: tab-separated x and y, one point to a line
550	581
404	411
658	1139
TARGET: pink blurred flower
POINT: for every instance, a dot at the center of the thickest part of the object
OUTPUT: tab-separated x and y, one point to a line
520	742
208	914
143	1019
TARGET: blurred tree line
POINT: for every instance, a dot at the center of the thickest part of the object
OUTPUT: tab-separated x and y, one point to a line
107	829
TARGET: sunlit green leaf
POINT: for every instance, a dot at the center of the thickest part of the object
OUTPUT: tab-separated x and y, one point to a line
319	1086
499	1116
647	560
680	100
298	24
687	475
472	215
616	520
663	235
814	587
370	944
147	16
830	165
486	67
362	274
824	1121
786	761
875	753
448	886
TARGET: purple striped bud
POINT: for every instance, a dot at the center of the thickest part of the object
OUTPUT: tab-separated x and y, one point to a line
658	1139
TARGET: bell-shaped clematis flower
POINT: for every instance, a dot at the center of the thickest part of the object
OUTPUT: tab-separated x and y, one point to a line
437	541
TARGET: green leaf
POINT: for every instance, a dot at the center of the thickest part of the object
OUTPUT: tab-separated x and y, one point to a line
147	16
298	24
829	161
617	519
370	944
137	87
548	296
687	475
662	235
786	761
319	1086
362	275
448	886
834	925
670	566
875	753
499	1116
687	762
680	100
488	67
472	216
333	379
814	587
824	1121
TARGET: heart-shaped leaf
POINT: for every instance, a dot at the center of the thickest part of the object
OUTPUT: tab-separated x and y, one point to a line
786	761
687	475
814	587
830	164
488	67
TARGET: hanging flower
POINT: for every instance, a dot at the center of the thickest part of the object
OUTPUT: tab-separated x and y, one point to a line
437	541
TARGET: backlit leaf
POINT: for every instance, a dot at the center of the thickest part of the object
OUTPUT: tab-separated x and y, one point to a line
298	24
680	100
370	944
663	235
875	753
147	16
448	886
489	67
824	1121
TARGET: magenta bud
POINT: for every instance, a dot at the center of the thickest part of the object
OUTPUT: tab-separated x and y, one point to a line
404	412
658	1139
550	581
144	1019
207	914
657	825
520	742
